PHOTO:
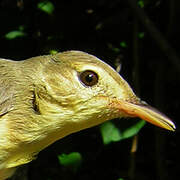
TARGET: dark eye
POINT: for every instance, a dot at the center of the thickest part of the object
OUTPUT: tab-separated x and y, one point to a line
88	78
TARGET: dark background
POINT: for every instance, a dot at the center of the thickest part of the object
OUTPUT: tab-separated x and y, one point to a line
145	40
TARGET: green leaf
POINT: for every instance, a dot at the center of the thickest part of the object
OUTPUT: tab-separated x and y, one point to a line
46	6
72	160
14	34
133	130
111	132
52	51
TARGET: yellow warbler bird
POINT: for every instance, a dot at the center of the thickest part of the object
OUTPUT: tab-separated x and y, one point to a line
45	98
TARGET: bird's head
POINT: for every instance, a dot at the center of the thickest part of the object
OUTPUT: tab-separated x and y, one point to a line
46	98
80	91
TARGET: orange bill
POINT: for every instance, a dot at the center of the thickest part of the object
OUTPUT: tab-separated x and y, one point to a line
145	112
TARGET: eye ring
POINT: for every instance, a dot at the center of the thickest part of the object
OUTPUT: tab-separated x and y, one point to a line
88	78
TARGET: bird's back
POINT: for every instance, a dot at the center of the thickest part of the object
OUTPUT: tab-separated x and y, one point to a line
6	85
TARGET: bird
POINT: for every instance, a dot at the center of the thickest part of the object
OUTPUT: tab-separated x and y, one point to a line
45	98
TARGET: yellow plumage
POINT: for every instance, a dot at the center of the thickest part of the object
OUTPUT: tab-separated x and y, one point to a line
45	98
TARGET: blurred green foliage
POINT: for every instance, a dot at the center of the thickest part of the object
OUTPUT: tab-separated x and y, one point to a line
72	160
141	3
123	44
111	133
141	35
53	51
16	33
46	6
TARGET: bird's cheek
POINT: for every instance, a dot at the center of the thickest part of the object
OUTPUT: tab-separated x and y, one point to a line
111	108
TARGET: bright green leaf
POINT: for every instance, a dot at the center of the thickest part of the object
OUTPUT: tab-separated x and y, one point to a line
113	133
72	160
110	133
46	6
14	34
133	130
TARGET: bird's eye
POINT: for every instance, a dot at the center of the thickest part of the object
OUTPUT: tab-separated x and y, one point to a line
88	78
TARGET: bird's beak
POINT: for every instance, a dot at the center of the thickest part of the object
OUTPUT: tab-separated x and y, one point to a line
145	112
